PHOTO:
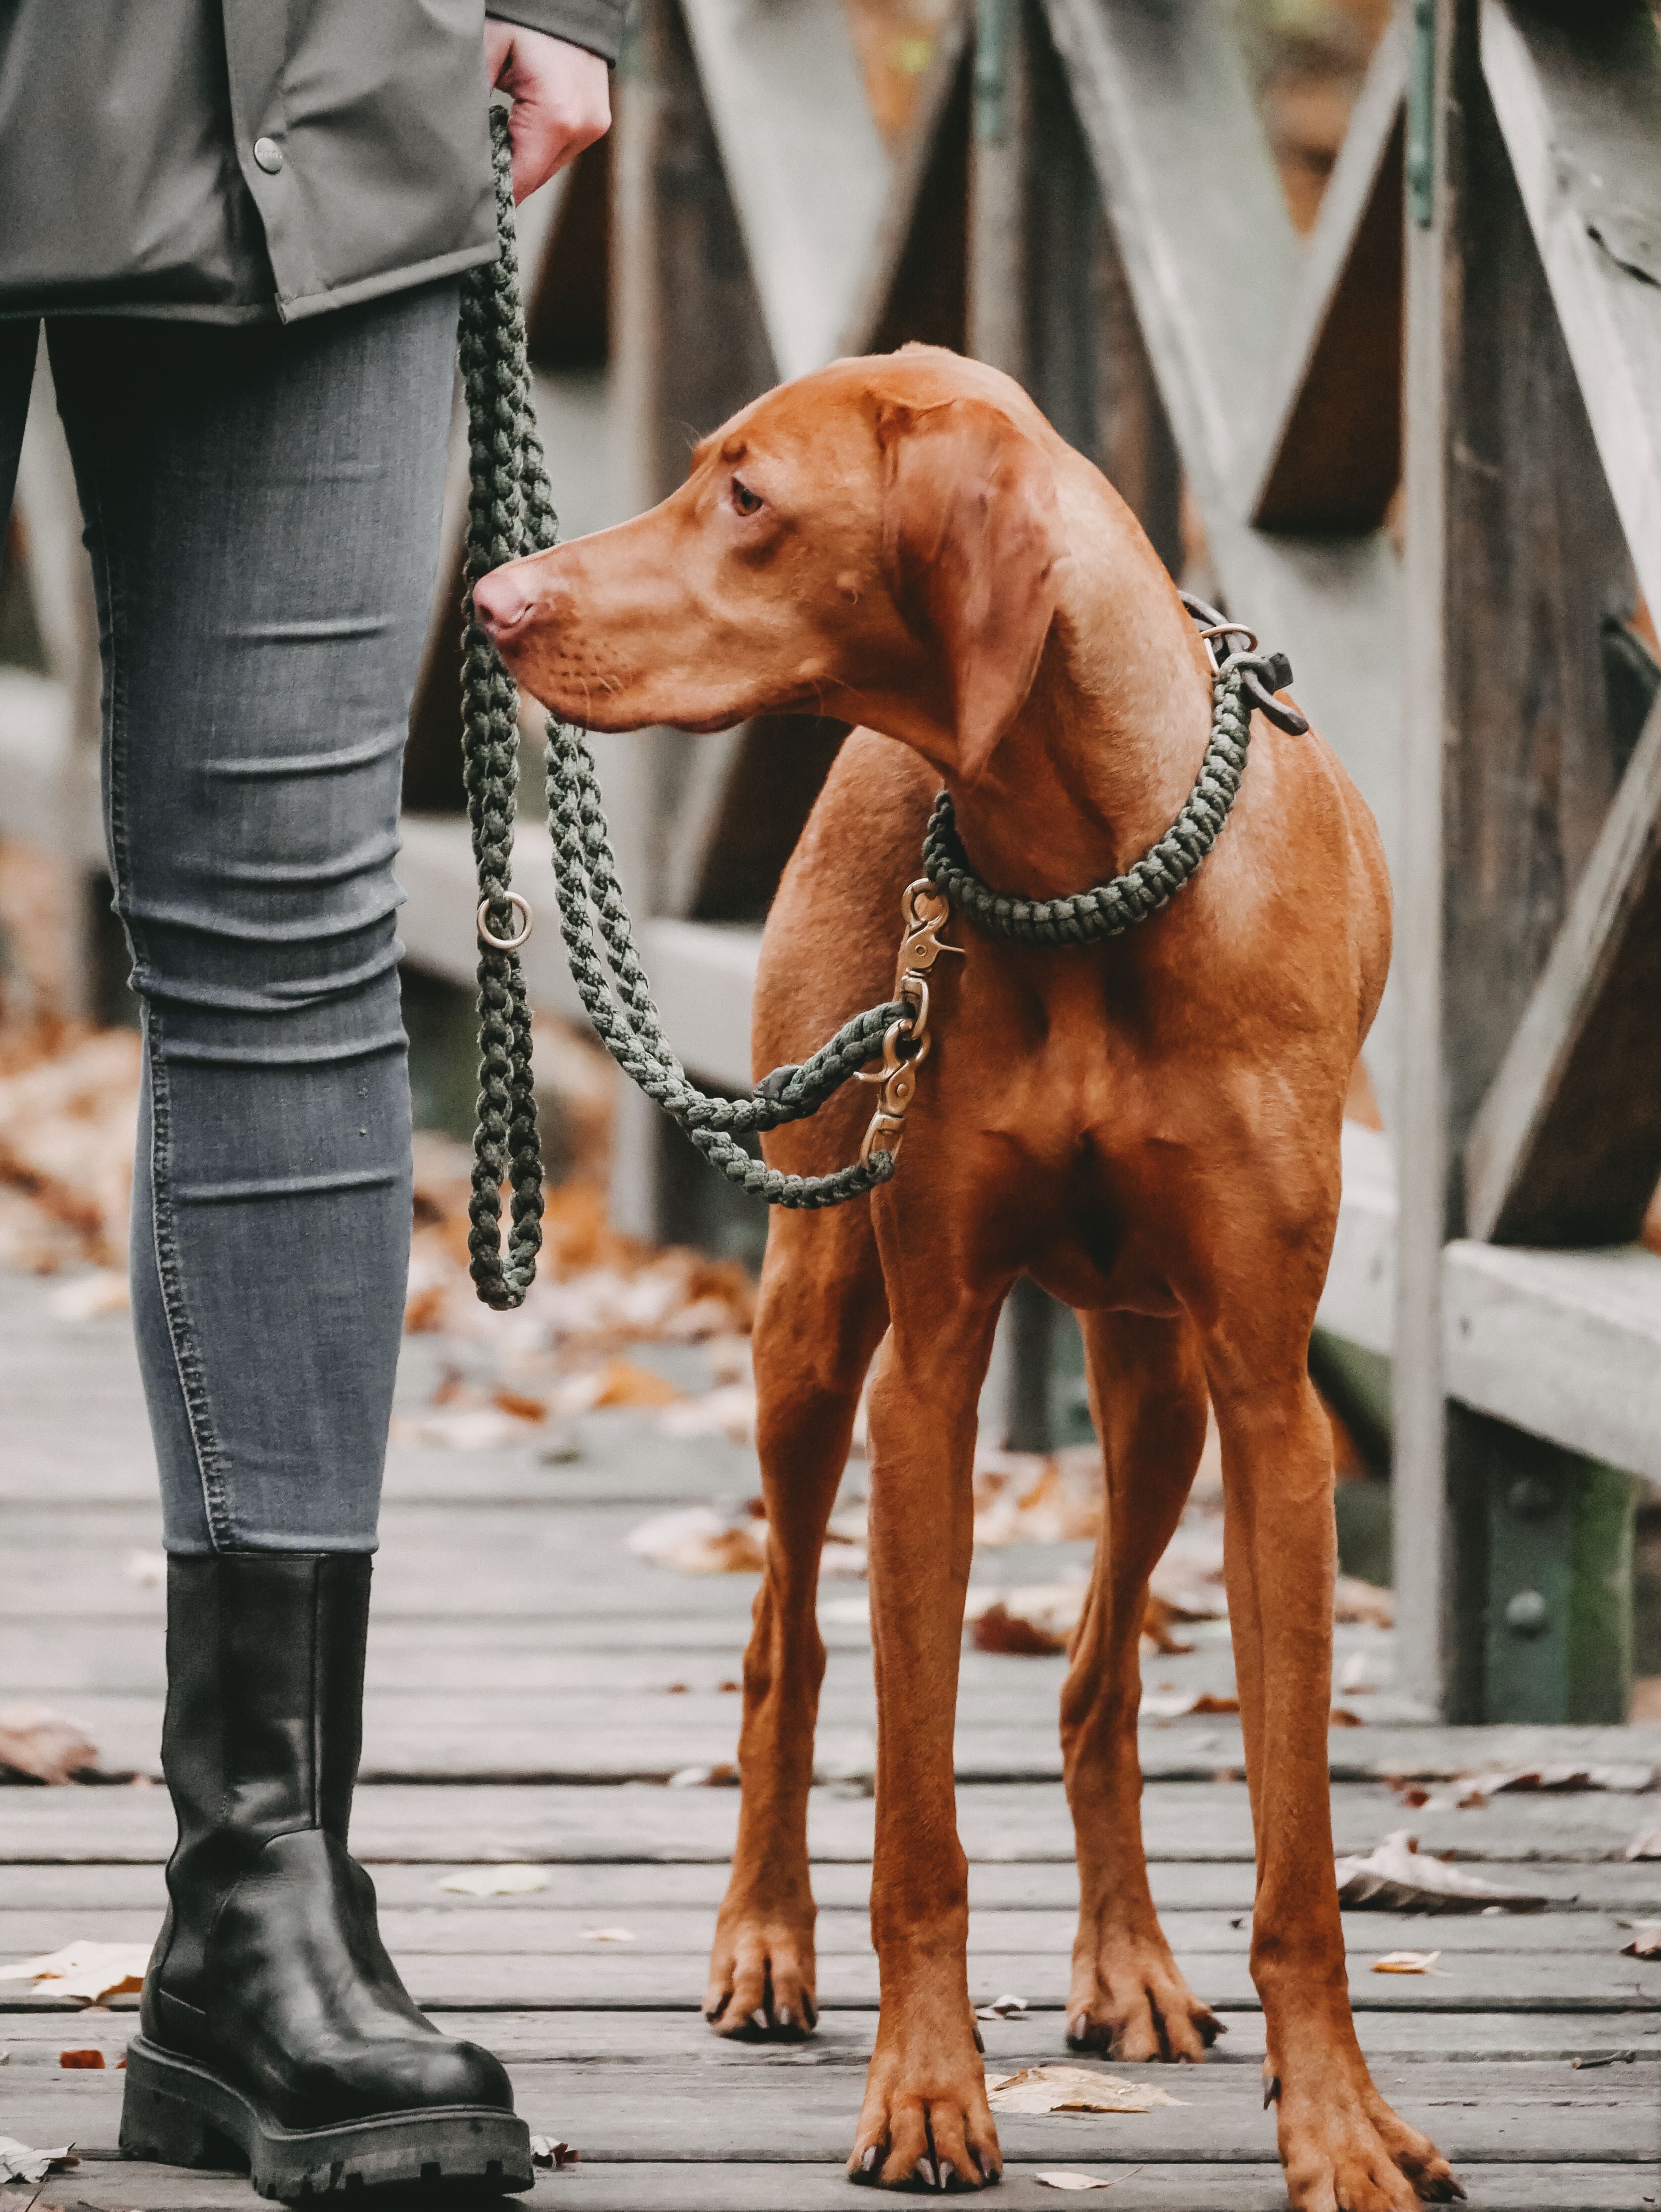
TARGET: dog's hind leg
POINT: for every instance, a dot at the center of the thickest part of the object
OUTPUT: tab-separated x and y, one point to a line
821	1315
1147	1396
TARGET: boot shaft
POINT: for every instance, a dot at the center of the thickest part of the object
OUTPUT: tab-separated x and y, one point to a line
264	1719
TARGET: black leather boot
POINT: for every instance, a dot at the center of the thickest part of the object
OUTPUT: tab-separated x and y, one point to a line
274	2024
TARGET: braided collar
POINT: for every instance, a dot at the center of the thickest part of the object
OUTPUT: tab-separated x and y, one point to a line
1240	681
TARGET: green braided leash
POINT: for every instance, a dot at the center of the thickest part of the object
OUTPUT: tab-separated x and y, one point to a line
511	513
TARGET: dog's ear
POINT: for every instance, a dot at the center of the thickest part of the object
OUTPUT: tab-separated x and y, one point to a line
971	540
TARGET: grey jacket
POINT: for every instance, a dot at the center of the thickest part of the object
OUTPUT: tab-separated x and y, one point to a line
227	160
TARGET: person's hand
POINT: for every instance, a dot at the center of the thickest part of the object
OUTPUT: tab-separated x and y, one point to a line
562	97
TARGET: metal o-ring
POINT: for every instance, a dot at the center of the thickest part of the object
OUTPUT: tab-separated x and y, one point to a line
505	943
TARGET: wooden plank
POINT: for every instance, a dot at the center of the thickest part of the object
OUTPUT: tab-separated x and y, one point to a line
1496	2114
707	2186
1565	1147
1614	1890
440	1823
1562	1344
1328	451
1580	104
844	2040
1358	1300
543	1927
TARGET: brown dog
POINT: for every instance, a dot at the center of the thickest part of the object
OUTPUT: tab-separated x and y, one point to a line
1149	1128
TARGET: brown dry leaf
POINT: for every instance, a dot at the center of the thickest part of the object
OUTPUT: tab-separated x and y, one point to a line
1341	1716
1397	1877
608	1936
1353	1600
547	2150
1005	2007
68	1120
1644	1846
1038	1618
80	2060
724	1775
45	1745
696	1539
624	1382
1409	1962
1646	1944
1059	2178
517	1403
1178	1705
1072	2089
84	1969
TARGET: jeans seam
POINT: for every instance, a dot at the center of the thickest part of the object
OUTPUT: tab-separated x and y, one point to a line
187	1359
187	1362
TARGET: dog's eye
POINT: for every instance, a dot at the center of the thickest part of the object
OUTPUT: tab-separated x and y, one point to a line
746	500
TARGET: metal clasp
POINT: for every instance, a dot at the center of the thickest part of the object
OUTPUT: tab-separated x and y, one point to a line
906	1044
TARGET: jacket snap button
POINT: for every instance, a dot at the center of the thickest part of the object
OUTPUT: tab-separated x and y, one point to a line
269	154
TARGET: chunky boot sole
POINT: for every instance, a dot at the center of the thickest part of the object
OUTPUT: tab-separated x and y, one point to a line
178	2113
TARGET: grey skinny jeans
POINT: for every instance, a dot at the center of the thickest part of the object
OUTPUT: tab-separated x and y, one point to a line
262	511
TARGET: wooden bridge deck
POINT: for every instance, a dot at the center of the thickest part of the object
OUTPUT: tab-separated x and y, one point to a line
521	1709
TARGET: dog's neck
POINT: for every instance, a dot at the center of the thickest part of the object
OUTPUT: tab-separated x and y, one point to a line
1106	749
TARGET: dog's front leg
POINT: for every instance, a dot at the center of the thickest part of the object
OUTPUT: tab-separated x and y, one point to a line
819	1318
1341	2143
925	2117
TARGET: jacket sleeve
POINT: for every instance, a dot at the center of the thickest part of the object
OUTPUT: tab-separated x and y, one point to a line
595	24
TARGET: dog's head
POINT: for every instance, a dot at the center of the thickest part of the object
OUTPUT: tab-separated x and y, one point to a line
879	542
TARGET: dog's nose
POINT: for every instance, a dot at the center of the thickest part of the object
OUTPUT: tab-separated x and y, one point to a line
500	604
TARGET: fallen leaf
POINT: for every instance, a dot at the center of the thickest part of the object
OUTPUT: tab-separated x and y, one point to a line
1353	1600
496	1881
1157	1631
1060	2178
546	2151
78	2061
722	1776
1002	2009
1037	1618
20	2161
87	1297
1179	1706
696	1539
1408	1962
43	1745
1644	1846
1395	1876
1356	1679
728	1412
1072	2089
1646	1944
84	1969
519	1404
608	1934
1628	1776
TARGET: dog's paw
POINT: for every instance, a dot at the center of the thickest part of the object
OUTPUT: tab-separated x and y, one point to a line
762	1977
925	2124
1129	2000
1346	2151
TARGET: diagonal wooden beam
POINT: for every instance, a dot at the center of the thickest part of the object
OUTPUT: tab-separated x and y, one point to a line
1328	454
917	169
1190	185
1565	1149
1580	108
805	162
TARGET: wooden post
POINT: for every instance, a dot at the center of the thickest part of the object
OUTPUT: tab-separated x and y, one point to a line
1508	1547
